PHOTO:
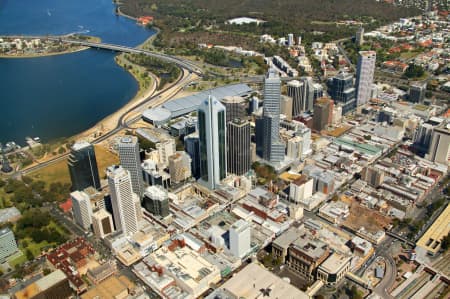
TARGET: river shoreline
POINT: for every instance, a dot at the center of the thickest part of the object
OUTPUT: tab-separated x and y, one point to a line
27	56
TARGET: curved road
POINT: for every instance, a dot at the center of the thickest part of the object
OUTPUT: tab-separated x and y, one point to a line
156	97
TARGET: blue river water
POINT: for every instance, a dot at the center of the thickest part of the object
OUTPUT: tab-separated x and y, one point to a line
60	96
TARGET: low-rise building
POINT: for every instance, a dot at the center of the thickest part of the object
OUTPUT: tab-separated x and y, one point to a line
113	287
188	268
102	272
53	285
334	212
254	282
333	270
305	255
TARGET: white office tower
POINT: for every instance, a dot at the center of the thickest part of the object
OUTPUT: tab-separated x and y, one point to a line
240	236
212	135
301	189
82	210
294	148
305	133
102	223
359	38
440	145
130	160
165	149
364	76
291	41
125	203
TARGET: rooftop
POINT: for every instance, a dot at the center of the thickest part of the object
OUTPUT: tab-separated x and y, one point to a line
109	288
190	103
335	262
256	282
41	285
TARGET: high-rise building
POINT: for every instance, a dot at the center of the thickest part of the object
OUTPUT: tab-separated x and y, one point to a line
166	149
240	234
254	103
291	41
364	76
124	201
238	147
417	92
286	107
81	208
212	133
179	167
294	148
236	107
318	91
341	90
83	166
302	94
439	150
130	160
373	176
305	133
322	114
301	189
336	119
156	201
422	139
192	147
102	223
359	38
8	245
273	147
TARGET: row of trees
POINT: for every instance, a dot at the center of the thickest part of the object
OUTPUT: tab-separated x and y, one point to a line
167	72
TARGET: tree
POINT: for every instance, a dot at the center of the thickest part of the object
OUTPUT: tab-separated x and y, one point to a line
29	255
414	71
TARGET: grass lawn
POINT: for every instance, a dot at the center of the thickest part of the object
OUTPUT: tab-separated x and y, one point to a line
59	172
22	258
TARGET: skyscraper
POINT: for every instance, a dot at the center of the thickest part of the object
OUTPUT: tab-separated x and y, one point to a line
102	223
130	160
83	166
417	92
273	147
8	245
212	133
235	107
422	139
286	107
342	91
179	167
82	209
322	114
156	201
238	149
192	147
125	203
240	234
166	149
364	76
439	150
302	93
359	38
